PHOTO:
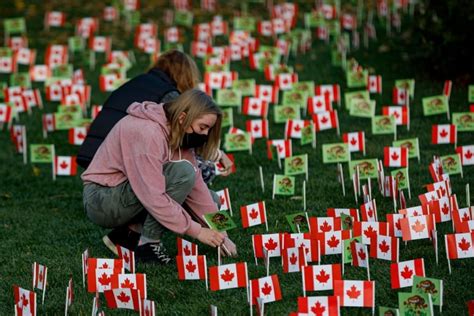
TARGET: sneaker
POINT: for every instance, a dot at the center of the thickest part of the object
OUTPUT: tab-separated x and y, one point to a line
122	236
152	252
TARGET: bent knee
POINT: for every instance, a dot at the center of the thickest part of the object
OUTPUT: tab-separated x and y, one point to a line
181	173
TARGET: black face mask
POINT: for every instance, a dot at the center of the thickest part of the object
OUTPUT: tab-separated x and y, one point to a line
194	140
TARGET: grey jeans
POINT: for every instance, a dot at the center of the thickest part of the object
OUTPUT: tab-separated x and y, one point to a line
117	206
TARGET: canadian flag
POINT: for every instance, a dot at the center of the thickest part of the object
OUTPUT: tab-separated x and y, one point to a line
360	255
202	32
128	258
321	277
228	276
444	187
7	64
39	73
462	219
136	281
253	214
441	209
257	128
99	280
267	93
236	52
401	273
32	98
293	259
69	294
103	263
430	196
186	248
284	81
25	56
199	49
123	298
271	242
218	27
40	275
65	165
255	107
54	92
17	42
324	224
400	113
5	113
417	227
77	135
264	28
283	47
220	80
331	92
322	32
25	301
131	5
266	288
319	305
374	84
337	212
460	246
55	18
384	247
107	83
466	152
283	148
399	96
355	293
325	120
443	134
448	84
151	46
369	229
395	156
19	103
414	210
304	240
208	5
224	199
49	122
191	267
369	211
110	14
395	226
332	242
278	26
318	104
355	140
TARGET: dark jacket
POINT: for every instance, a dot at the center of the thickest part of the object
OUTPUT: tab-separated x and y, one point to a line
151	86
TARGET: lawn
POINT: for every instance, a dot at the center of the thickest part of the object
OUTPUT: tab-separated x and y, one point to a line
44	221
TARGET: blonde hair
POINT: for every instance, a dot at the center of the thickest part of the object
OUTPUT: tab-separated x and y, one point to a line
180	68
195	103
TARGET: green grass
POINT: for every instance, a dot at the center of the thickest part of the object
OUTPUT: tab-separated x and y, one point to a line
43	221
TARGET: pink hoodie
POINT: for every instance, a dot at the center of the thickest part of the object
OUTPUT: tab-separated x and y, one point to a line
135	150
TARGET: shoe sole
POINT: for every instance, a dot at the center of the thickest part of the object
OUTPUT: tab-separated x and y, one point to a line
109	244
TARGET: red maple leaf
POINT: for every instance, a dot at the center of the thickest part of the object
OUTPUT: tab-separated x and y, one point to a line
1	112
353	293
317	309
370	213
266	289
443	133
285	81
270	244
418	227
333	242
323	277
464	245
370	231
105	266
280	148
126	257
319	104
81	136
445	209
265	93
227	276
398	224
406	273
325	227
256	128
24	300
468	154
465	218
254	106
415	213
191	267
124	298
253	214
293	258
64	165
222	200
394	156
147	311
361	254
40	277
353	141
127	284
384	247
297	128
104	279
324	120
186	250
396	114
443	191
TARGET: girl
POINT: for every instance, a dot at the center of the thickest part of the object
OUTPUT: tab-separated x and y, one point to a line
145	172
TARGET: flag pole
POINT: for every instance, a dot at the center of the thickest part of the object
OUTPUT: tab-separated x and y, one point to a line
25	154
44	284
304	195
468	195
261	178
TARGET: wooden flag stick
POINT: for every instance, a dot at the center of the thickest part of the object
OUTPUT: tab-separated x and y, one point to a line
267	260
279	161
368	265
341	177
303	281
44	284
249	298
408	183
53	154
468	196
355	187
447	254
304	195
370	188
262	183
218	255
25	152
67	296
